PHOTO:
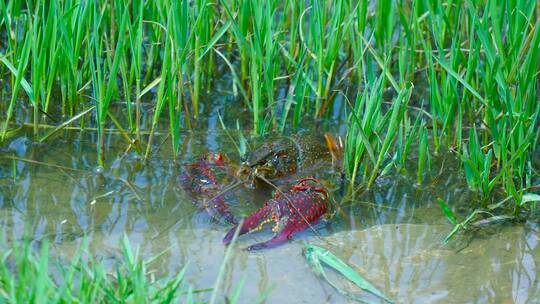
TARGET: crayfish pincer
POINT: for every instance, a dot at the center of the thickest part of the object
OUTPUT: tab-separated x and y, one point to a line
290	212
203	180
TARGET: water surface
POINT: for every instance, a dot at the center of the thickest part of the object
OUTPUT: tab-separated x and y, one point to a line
391	234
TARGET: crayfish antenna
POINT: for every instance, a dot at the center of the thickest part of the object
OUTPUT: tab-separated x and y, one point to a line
224	191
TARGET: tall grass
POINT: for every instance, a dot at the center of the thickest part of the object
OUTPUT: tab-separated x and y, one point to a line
476	61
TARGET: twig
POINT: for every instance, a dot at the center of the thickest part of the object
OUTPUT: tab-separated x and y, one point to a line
42	163
130	186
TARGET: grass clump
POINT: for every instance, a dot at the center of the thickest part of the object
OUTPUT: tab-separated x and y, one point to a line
30	277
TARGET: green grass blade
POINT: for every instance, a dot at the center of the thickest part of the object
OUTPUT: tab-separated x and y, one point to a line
66	123
461	80
24	84
447	211
215	39
316	256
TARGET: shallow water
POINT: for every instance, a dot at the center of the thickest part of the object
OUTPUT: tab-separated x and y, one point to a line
391	234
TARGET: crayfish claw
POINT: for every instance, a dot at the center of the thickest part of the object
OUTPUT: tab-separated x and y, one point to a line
291	212
277	240
251	223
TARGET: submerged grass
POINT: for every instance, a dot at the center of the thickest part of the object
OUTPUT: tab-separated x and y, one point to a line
456	75
317	257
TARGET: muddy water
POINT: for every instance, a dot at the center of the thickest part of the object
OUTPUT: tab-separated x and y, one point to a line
391	234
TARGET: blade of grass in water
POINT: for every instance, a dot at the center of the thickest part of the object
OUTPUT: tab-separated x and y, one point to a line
223	267
19	76
317	256
447	211
160	99
66	123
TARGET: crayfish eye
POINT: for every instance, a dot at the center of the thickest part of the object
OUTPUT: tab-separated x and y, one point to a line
274	161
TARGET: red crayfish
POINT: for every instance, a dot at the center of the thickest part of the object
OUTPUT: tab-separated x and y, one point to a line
290	212
274	162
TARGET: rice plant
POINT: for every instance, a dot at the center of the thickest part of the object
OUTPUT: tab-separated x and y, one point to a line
458	75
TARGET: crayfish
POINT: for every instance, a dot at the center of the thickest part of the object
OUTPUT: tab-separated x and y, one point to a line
276	162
